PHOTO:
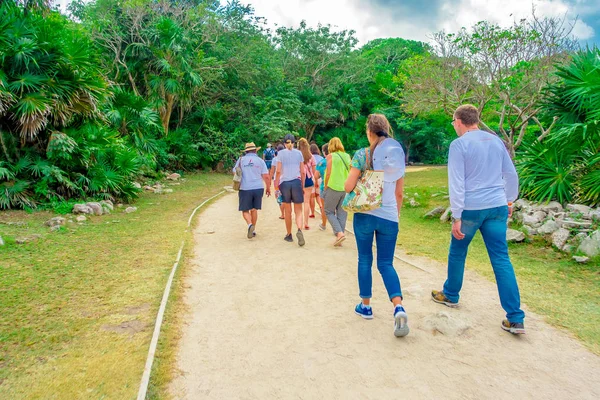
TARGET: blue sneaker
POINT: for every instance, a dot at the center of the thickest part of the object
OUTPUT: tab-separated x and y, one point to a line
365	312
400	322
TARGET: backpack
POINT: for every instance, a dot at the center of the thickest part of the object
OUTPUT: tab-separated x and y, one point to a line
269	154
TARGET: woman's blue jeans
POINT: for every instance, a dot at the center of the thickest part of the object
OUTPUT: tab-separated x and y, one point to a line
492	224
386	232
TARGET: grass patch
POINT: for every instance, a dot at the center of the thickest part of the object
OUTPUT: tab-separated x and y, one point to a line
551	284
78	305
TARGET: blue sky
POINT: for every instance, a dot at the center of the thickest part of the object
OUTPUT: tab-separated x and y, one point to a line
416	19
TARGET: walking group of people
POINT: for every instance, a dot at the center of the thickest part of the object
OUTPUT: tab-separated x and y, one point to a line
483	183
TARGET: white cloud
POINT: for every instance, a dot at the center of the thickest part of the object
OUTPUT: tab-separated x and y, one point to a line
371	20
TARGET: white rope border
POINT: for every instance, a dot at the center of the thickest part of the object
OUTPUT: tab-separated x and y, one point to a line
161	311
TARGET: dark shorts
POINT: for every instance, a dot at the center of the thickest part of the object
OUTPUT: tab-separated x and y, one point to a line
269	163
250	199
291	191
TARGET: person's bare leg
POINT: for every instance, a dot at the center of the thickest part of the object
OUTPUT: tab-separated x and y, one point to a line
312	203
281	209
307	193
287	213
247	217
395	300
254	215
299	216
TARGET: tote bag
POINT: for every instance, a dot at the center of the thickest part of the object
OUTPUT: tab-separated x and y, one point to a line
368	193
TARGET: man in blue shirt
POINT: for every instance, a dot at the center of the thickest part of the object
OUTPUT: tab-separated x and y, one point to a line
483	183
268	155
255	177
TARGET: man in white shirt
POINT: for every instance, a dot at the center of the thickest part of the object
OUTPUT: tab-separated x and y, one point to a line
254	176
289	179
483	183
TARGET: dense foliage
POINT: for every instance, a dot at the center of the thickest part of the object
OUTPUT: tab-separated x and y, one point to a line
122	89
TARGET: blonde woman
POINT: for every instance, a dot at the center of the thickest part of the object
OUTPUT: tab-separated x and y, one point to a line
338	167
309	180
384	154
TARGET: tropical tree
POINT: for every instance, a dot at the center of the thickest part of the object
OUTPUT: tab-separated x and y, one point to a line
502	71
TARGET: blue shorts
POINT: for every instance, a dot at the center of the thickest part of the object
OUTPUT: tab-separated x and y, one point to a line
250	199
291	192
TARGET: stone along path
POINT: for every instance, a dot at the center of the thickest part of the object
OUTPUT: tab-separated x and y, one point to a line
267	319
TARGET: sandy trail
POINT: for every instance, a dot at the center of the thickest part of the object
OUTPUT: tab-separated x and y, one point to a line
270	320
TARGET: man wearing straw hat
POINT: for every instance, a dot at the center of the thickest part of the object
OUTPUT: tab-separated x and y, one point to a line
254	174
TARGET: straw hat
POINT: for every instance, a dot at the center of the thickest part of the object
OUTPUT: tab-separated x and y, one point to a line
250	147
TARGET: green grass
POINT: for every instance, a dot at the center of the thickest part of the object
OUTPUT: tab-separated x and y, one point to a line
551	284
78	305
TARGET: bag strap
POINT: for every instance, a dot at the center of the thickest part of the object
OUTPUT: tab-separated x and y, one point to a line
343	161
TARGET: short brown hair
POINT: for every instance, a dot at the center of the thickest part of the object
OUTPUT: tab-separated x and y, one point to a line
468	114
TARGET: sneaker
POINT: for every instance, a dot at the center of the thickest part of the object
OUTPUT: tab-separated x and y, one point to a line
439	297
322	227
365	312
516	328
288	238
400	322
300	237
250	231
254	233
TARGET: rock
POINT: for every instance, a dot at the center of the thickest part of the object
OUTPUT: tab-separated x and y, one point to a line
568	248
435	212
82	209
27	239
55	228
446	215
595	215
228	189
137	185
553	206
590	246
56	221
167	191
521	204
513	235
414	203
530	230
581	260
532	220
446	323
174	177
129	210
149	188
568	223
579	208
1	241
540	215
107	206
560	237
96	207
81	218
548	227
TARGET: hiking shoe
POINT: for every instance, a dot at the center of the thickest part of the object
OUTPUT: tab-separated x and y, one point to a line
516	328
300	237
363	311
288	238
440	297
400	322
322	227
251	231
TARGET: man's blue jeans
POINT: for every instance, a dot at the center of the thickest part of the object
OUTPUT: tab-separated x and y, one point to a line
386	233
492	224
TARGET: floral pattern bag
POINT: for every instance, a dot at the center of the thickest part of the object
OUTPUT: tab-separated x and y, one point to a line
367	195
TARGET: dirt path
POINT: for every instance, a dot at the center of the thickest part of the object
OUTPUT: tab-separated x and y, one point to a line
270	320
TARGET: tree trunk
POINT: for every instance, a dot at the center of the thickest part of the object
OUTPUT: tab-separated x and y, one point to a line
310	130
165	114
6	154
